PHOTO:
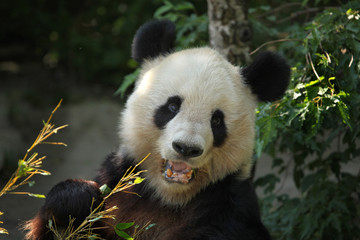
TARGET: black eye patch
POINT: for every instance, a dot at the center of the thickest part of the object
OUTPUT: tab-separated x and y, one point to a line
218	128
168	111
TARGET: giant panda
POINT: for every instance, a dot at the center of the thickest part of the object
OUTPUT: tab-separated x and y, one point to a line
194	112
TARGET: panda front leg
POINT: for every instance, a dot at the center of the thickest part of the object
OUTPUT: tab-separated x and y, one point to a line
70	198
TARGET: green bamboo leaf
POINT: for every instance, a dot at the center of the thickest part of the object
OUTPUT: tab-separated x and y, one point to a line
22	168
269	130
184	6
307	181
105	190
344	113
31	183
123	226
50	223
335	221
45	173
163	9
36	195
93	237
123	234
128	81
96	219
259	147
138	180
150	226
307	227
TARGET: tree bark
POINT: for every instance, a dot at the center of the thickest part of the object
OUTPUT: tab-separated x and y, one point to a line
230	30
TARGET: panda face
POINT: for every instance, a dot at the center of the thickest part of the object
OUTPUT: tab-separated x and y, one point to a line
193	113
186	142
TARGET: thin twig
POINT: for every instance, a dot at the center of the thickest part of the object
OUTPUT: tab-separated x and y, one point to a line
272	42
308	57
28	167
33	163
351	61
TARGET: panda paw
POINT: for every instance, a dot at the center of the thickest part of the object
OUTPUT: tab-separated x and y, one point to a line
70	198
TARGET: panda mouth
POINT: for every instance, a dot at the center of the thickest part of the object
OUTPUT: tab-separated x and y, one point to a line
179	172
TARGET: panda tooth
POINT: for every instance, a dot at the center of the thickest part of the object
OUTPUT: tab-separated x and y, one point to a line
181	175
168	172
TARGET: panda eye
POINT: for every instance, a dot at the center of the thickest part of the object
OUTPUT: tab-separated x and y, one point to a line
218	127
215	121
173	107
168	111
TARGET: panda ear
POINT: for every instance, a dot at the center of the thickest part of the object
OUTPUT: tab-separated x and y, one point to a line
268	76
153	39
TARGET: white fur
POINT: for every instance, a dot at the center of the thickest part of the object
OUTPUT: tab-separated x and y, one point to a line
206	82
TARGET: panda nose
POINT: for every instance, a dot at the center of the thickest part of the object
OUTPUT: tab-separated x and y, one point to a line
187	150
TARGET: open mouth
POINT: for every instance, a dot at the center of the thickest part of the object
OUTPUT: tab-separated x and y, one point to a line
179	172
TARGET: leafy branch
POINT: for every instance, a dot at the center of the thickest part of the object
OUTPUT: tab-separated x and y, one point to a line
320	110
30	165
86	228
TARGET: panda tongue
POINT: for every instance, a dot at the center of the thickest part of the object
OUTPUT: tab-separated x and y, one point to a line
180	166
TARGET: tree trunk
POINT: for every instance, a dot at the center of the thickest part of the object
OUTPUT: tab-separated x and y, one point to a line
229	29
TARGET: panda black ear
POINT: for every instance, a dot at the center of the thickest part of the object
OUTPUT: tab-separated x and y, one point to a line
268	76
153	39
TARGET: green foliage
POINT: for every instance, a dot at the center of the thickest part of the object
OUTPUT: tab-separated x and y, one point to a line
129	80
120	230
321	109
191	30
89	39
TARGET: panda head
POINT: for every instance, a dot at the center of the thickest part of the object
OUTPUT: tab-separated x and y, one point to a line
193	112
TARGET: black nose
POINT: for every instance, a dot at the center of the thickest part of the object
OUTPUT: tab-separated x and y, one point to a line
187	150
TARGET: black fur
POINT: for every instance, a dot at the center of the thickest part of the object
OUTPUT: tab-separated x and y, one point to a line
225	210
74	194
234	213
268	76
112	170
167	111
152	39
218	128
75	198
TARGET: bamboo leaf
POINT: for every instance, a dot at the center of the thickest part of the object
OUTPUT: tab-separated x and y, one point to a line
36	195
138	180
123	226
105	190
344	113
96	219
150	226
3	231
123	234
23	167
